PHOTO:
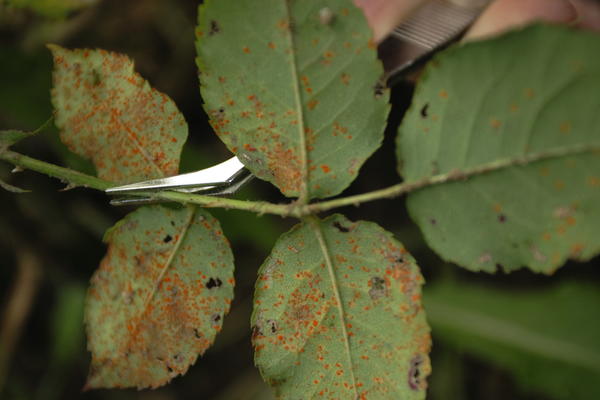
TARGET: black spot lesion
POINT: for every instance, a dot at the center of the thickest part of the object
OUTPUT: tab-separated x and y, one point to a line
214	28
378	289
214	283
415	376
425	110
379	89
96	78
215	317
256	332
167	239
501	218
337	225
272	325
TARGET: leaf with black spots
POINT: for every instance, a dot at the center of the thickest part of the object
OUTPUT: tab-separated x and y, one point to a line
149	313
506	99
338	314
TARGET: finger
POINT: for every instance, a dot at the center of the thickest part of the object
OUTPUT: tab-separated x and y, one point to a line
503	15
384	15
588	12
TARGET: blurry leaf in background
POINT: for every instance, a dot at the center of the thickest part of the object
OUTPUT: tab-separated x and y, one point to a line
67	339
10	137
52	8
67	328
293	94
338	314
111	115
25	80
477	104
158	298
546	337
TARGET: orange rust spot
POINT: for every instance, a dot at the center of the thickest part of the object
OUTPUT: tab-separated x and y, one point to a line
565	127
529	93
345	78
495	123
246	50
344	12
314	42
443	94
312	104
497	207
593	181
559	184
283	24
570	220
325	168
222	79
271	45
249	147
231	102
576	249
546	236
514	107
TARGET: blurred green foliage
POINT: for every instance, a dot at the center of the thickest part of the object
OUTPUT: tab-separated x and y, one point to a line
51	8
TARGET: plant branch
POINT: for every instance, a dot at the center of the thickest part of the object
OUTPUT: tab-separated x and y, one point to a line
62	173
296	209
452	176
80	179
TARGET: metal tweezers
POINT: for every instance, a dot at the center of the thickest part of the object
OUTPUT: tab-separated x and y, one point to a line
430	28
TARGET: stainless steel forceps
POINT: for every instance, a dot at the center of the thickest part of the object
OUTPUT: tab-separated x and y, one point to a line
431	27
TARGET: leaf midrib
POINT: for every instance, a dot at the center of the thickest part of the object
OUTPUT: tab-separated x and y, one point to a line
303	195
182	234
315	224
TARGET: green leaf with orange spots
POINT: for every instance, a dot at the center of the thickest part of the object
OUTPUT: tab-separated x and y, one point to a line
529	92
159	297
338	315
292	89
108	113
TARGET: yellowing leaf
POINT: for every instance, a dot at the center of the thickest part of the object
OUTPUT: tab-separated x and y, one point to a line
159	297
106	112
527	93
291	87
338	315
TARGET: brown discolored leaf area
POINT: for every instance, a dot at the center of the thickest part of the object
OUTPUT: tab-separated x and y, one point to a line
159	297
338	315
108	113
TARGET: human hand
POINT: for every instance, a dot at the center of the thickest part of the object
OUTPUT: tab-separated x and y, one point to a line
501	15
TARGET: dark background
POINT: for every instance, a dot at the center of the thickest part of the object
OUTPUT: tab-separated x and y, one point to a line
51	240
